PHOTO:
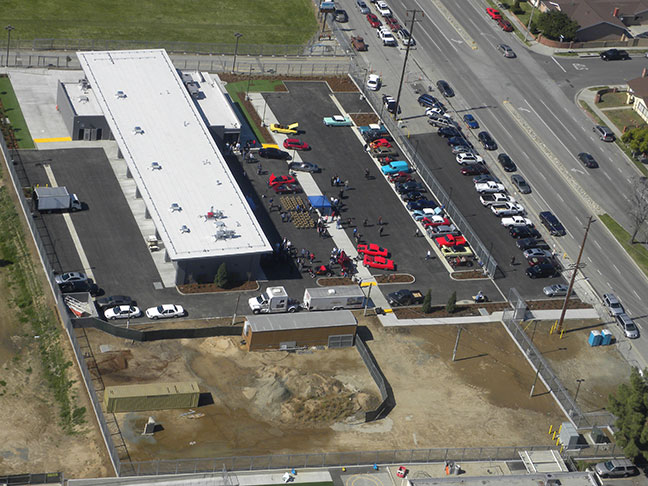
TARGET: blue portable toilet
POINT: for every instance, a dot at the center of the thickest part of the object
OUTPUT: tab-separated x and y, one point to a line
606	337
595	338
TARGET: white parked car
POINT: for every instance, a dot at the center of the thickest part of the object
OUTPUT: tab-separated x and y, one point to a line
507	209
516	221
498	197
122	312
385	35
435	111
489	187
374	82
405	37
469	158
383	9
165	311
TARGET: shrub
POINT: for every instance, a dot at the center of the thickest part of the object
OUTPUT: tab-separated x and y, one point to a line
517	10
222	278
451	306
427	302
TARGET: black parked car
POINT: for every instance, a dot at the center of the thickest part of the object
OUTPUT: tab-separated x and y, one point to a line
587	160
421	204
83	286
522	185
405	297
273	153
445	88
550	222
526	243
507	164
524	232
114	301
341	16
485	178
448	132
487	141
541	270
615	55
411	196
429	101
409	186
474	169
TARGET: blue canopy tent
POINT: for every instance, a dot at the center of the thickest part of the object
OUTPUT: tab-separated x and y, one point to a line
321	203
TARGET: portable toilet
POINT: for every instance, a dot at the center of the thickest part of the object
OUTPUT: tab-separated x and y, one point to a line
606	337
595	338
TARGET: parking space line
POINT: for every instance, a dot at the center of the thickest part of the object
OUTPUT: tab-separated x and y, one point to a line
70	225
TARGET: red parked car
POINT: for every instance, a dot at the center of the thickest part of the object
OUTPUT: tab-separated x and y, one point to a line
381	142
435	220
505	25
373	20
450	240
393	24
400	177
373	250
379	262
282	179
293	143
493	13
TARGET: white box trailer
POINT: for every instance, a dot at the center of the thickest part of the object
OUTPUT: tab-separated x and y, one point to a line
334	298
55	199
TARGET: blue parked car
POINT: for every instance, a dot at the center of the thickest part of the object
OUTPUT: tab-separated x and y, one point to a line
470	121
395	166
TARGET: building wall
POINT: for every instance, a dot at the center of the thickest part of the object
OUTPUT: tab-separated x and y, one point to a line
203	270
64	106
599	32
155	402
303	337
639	106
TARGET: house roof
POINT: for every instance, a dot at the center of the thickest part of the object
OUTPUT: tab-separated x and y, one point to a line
639	86
593	12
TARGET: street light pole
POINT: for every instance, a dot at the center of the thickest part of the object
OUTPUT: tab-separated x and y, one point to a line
409	43
526	34
8	28
579	381
238	35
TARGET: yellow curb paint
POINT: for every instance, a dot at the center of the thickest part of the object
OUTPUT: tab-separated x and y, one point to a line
55	139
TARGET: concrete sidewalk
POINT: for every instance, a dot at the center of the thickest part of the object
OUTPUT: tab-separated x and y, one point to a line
589	97
390	320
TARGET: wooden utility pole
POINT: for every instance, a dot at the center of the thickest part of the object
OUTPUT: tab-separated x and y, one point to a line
409	44
573	277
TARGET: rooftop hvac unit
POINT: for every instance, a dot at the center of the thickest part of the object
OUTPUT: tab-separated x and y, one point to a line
550	480
224	234
83	99
184	229
175	207
156	166
138	130
120	94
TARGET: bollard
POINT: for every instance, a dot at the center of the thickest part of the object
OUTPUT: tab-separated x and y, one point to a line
550	429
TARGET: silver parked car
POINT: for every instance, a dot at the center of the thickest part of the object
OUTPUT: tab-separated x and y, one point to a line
556	290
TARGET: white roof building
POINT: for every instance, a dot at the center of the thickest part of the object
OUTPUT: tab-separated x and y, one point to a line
190	193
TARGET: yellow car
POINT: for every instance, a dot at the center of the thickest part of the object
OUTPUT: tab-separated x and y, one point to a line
288	129
456	251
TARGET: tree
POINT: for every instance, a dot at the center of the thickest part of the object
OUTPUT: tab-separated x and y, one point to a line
451	305
638	209
630	405
427	302
517	10
553	24
222	277
637	139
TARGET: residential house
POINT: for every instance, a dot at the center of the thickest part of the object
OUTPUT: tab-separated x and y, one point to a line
638	95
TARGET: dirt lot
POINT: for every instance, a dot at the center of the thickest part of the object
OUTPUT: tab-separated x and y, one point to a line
602	367
279	402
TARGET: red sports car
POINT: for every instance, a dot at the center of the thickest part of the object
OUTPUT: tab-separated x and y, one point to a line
450	240
373	20
282	179
400	177
379	262
393	24
293	143
493	13
435	220
381	142
286	188
373	250
505	25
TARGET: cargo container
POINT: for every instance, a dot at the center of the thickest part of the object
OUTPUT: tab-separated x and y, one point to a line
334	298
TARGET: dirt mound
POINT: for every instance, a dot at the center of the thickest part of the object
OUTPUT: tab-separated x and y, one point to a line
292	396
112	361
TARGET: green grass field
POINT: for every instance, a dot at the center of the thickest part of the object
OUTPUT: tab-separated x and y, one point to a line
13	112
637	251
260	22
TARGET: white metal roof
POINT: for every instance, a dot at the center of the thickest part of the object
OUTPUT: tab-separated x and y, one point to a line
213	100
301	320
82	98
154	120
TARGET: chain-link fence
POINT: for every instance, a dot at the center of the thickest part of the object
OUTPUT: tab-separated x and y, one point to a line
386	392
62	308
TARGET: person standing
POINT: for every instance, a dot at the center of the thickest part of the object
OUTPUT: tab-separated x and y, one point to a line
380	221
428	255
380	231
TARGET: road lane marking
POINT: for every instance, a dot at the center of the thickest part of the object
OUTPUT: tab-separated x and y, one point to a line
554	60
70	225
453	22
635	292
616	268
567	130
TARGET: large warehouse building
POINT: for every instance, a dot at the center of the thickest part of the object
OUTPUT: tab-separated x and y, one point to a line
200	213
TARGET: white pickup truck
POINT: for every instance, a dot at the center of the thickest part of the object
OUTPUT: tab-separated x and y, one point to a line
498	197
489	187
507	209
516	221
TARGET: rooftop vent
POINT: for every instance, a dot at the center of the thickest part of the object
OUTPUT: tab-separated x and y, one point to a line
138	130
83	99
214	213
184	229
120	94
206	162
175	207
156	166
